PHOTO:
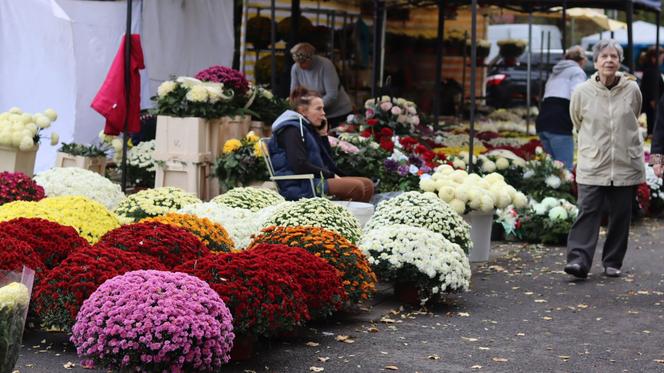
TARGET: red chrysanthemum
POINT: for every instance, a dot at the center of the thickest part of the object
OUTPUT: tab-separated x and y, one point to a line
61	293
387	144
50	240
321	283
14	254
17	186
263	300
169	244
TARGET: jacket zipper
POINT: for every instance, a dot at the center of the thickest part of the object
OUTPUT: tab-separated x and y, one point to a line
611	137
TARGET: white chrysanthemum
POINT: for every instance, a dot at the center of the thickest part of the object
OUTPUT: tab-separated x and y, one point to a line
487	204
540	209
488	166
553	181
72	181
166	88
250	198
14	294
550	202
444	169
51	114
42	121
458	206
26	144
446	193
428	185
197	94
502	163
520	200
558	213
55	138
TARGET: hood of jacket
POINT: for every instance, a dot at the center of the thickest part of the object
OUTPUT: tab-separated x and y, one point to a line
625	80
564	65
288	116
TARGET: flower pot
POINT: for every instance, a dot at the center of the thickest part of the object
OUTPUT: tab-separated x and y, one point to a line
480	234
361	210
94	164
14	160
406	293
15	290
243	347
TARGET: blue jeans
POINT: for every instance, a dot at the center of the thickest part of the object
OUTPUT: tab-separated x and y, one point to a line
561	147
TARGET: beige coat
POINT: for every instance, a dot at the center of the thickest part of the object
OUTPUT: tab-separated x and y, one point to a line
608	142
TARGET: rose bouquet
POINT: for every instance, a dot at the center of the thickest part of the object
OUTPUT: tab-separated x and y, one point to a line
423	210
153	321
466	192
190	97
16	186
169	244
23	130
239	223
249	198
358	279
74	181
213	235
405	254
141	165
62	292
263	301
15	290
51	241
321	284
154	202
545	177
396	114
318	212
241	162
91	219
548	221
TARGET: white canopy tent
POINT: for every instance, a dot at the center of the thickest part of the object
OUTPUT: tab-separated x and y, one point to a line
644	34
57	54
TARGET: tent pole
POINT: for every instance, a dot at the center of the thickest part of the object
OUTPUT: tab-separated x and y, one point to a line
273	42
296	12
473	78
564	41
658	21
529	69
630	36
127	80
439	61
378	27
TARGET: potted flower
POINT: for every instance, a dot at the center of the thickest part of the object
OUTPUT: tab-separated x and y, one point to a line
547	221
511	49
88	157
241	163
20	135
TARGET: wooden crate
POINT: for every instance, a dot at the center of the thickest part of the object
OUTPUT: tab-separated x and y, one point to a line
183	139
14	160
226	128
191	177
94	164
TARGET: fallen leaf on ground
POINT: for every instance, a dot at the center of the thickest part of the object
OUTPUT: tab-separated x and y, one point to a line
323	359
520	334
476	367
469	339
387	320
312	344
391	367
659	361
344	339
484	348
499	359
564	357
69	365
316	369
540	300
373	329
547	318
433	357
464	314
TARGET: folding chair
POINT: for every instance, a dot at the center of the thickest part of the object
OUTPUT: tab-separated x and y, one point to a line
268	162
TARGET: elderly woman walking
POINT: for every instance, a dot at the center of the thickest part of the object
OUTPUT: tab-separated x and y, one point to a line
610	164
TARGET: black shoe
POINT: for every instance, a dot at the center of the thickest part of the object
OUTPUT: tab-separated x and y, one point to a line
611	272
575	269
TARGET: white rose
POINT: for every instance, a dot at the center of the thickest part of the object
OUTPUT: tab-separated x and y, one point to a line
386	106
166	88
396	110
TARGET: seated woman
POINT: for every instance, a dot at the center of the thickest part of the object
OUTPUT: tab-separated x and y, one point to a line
299	145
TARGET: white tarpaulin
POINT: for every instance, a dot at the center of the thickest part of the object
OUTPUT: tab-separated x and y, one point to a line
56	54
644	33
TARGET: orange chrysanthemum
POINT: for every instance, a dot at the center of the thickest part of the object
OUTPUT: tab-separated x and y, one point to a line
213	235
359	281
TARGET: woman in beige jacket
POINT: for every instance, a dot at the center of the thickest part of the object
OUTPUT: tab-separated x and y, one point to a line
610	164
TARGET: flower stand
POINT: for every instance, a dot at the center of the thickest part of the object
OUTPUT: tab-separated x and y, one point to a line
362	211
183	139
94	164
191	177
480	234
227	128
14	160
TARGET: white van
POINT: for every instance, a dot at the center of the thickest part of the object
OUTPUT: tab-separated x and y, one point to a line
520	31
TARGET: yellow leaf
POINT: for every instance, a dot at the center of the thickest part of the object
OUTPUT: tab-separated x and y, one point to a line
499	359
476	367
433	357
312	344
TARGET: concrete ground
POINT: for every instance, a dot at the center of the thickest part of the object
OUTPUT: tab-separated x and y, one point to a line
523	314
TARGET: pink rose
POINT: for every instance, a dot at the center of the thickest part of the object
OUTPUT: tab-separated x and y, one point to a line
386	106
396	110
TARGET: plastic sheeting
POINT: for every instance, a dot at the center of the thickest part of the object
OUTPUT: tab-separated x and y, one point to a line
56	53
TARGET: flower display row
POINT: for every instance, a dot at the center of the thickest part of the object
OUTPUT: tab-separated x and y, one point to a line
153	202
154	321
466	192
23	130
71	181
424	210
405	254
249	198
17	186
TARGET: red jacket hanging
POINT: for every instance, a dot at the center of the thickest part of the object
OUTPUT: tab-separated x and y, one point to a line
111	100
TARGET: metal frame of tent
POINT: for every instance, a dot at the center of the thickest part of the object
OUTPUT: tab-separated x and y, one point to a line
379	6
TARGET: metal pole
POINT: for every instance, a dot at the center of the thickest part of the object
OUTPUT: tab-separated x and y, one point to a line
127	80
658	22
473	78
243	36
273	46
464	54
378	4
630	36
292	39
541	70
529	68
439	60
564	41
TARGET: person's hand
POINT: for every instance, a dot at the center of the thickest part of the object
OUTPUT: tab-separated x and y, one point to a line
322	130
658	169
653	104
337	176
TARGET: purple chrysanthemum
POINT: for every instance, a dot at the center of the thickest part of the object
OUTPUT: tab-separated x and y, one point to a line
231	78
153	321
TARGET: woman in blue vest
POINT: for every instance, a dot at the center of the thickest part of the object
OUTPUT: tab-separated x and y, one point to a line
299	145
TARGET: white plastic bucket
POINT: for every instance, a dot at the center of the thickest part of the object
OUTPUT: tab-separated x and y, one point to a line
480	234
361	210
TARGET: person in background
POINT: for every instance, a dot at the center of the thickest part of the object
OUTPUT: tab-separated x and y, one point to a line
299	145
657	146
318	73
652	84
604	111
554	125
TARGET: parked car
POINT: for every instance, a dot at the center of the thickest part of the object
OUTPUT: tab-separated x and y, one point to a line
506	85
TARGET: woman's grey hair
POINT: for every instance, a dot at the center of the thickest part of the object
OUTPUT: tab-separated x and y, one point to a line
607	43
303	52
575	53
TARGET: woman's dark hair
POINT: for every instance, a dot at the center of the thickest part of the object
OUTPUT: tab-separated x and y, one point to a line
301	96
649	55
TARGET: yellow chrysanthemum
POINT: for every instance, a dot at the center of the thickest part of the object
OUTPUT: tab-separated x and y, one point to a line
213	235
25	209
251	137
232	145
90	218
258	149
